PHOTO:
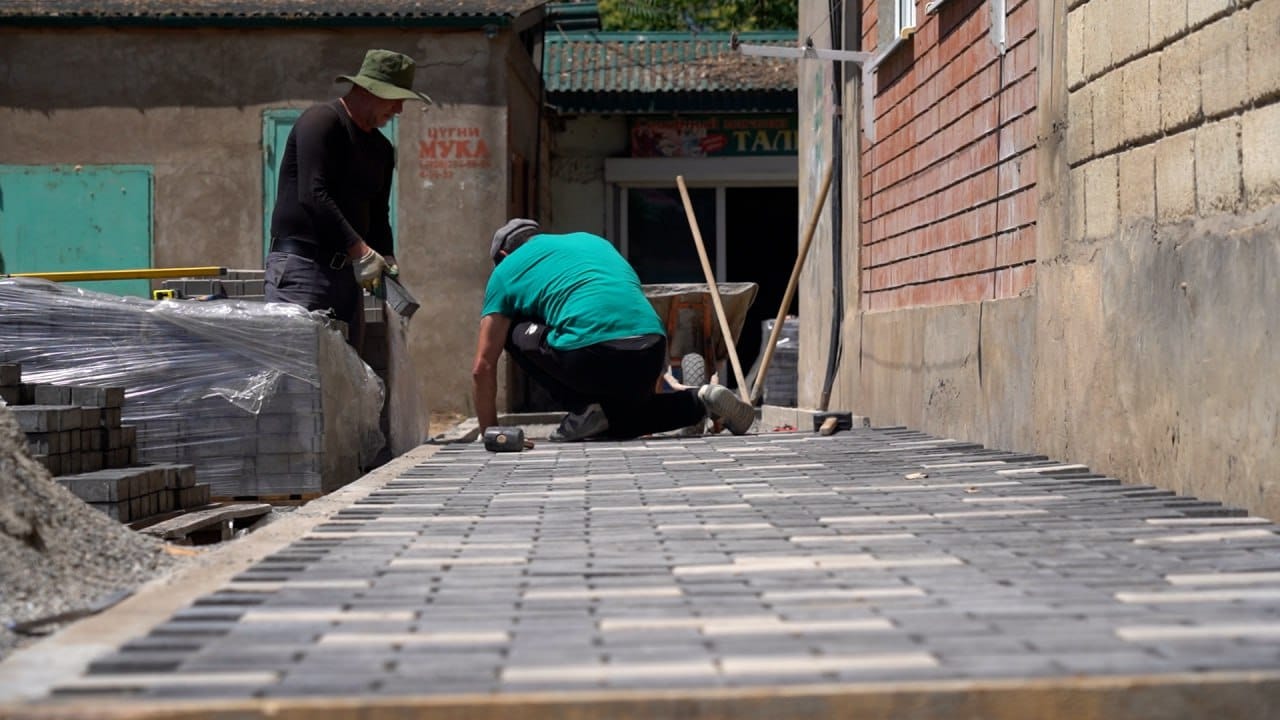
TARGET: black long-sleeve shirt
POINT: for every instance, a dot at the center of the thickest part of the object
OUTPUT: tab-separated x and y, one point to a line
335	183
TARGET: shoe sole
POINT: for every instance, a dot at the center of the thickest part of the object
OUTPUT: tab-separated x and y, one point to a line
720	401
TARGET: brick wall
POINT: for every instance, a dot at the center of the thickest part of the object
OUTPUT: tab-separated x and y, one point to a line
949	184
1172	111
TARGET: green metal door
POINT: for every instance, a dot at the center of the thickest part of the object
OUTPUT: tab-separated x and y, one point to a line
63	218
276	125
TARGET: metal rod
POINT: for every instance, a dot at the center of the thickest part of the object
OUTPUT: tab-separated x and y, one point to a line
791	284
715	291
135	274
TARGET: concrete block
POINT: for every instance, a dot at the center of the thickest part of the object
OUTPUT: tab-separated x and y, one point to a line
1101	198
1218	178
1137	180
1168	20
115	511
1261	155
44	443
177	475
101	486
47	394
90	461
117	458
1198	11
1076	219
28	394
1180	84
11	394
194	496
1264	59
71	440
1108	112
46	418
128	435
1140	99
101	397
1223	53
1097	47
10	374
1129	29
88	417
1080	125
1175	178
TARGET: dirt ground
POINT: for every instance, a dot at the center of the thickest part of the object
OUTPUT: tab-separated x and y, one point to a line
442	422
57	554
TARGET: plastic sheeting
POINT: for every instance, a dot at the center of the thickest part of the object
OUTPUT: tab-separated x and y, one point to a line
253	394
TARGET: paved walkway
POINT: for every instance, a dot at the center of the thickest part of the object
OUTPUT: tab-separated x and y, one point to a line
869	559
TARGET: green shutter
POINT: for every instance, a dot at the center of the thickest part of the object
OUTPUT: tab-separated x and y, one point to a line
65	218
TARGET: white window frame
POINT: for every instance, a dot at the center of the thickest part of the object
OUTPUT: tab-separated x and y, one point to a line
904	18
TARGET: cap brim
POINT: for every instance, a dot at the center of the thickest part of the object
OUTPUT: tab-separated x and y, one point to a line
385	90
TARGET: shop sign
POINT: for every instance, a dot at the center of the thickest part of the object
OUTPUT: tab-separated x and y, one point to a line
712	136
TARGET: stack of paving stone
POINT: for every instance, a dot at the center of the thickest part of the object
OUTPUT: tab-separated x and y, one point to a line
267	401
237	284
77	434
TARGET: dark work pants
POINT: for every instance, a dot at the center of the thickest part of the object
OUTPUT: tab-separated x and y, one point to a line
302	281
621	375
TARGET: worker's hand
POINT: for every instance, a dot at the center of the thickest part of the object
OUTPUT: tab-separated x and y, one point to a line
369	269
393	268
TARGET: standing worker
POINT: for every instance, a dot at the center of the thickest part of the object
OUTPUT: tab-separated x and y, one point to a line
570	311
331	227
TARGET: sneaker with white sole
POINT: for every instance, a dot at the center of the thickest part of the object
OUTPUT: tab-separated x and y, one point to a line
581	425
722	404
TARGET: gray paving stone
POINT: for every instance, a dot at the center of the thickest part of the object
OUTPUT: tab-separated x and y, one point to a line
1033	595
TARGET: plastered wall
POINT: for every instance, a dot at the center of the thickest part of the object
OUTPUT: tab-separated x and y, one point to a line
189	103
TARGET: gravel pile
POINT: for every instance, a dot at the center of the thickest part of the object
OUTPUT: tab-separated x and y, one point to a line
57	554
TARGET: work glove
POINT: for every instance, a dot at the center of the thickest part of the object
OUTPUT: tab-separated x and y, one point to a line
393	268
369	269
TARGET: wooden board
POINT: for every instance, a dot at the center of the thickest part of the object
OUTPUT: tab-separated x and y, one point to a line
184	525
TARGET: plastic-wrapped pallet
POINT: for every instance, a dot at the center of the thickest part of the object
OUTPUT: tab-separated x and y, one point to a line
781	379
264	399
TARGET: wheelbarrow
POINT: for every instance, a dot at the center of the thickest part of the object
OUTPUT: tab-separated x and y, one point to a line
694	340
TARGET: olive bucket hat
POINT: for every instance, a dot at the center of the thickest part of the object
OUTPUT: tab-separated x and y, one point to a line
387	74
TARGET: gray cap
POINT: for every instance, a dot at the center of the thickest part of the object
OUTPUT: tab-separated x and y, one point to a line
511	236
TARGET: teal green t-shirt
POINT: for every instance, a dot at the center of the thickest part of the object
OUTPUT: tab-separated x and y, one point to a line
577	284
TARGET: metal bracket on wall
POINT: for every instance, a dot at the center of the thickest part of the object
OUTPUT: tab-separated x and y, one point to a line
867	63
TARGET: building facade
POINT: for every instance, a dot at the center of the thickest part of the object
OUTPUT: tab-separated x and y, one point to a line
147	134
1055	231
634	111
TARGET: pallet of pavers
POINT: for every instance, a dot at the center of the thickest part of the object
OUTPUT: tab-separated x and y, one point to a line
265	400
76	433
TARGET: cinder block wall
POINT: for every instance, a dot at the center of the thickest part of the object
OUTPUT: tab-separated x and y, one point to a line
1158	341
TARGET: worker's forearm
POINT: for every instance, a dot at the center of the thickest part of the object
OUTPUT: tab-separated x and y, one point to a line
485	394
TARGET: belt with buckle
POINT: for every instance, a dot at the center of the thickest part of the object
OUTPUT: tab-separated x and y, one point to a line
335	261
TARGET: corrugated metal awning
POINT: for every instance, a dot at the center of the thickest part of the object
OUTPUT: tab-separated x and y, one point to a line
666	72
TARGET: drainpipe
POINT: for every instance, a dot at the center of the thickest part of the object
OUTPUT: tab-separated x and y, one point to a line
836	21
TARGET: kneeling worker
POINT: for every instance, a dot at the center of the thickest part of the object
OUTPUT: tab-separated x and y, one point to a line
570	311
